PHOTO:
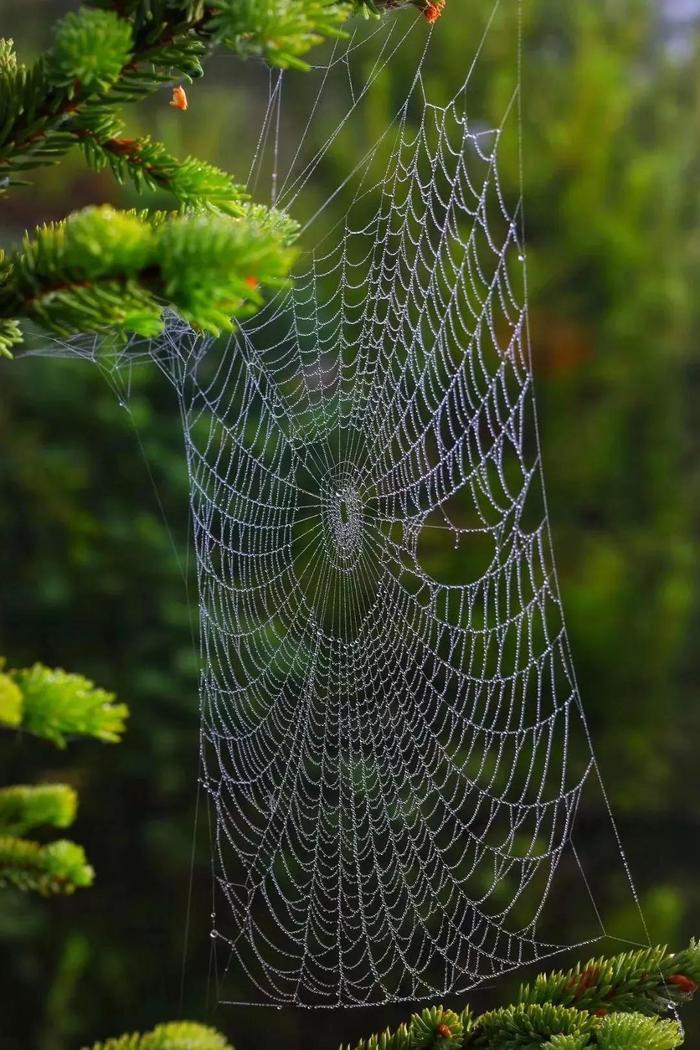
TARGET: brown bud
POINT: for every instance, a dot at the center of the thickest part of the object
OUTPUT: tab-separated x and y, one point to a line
683	984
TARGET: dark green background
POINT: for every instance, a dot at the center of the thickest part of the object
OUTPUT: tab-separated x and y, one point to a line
93	580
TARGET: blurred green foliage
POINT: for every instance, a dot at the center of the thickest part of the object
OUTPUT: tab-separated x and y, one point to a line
93	579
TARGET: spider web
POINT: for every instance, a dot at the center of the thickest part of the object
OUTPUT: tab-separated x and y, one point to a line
392	739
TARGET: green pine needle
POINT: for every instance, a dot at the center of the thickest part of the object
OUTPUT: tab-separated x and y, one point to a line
401	1039
278	223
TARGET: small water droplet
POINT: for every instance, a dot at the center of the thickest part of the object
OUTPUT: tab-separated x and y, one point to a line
214	934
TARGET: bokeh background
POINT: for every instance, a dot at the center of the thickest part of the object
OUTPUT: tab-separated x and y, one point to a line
94	567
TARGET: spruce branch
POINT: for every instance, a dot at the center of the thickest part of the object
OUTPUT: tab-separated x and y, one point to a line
437	1027
147	164
399	1040
107	269
212	269
528	1027
10	335
178	1035
59	868
101	57
647	981
74	276
91	49
280	31
24	808
636	1032
611	1004
55	705
433	1029
11	701
568	1042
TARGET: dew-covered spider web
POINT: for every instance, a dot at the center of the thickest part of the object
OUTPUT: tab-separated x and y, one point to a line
393	743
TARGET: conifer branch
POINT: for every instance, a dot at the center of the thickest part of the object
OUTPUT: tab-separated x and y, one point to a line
24	808
55	705
58	868
634	1032
533	1025
612	1004
280	31
147	164
648	981
433	1027
105	55
179	1035
109	57
11	700
103	268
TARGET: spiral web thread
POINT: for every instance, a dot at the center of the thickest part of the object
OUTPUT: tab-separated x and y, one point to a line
394	759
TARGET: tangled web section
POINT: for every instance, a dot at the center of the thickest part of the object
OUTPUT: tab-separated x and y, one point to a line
392	740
